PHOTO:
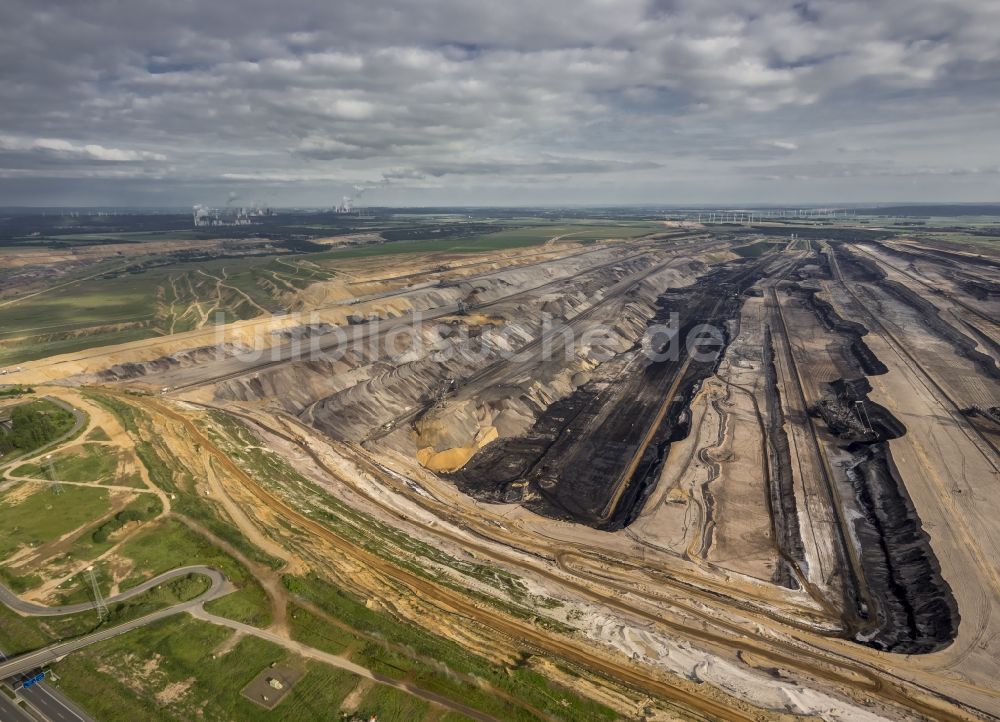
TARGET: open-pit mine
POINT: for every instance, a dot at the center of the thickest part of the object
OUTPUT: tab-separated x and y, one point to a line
679	471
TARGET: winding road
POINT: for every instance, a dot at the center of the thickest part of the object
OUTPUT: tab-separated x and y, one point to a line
220	586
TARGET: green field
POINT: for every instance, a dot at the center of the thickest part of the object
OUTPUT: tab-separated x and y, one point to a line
125	680
44	515
755	250
135	306
170	544
88	302
389	647
248	605
92	312
167	671
89	462
92	539
33	426
167	474
390	705
498	241
23	634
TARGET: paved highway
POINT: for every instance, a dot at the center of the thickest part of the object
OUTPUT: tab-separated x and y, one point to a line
11	712
50	704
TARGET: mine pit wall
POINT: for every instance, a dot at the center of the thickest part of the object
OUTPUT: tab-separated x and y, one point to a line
676	423
675	426
962	343
955	256
980	289
425	385
781	485
575	454
368	390
964	346
134	370
868	363
915	611
298	385
504	397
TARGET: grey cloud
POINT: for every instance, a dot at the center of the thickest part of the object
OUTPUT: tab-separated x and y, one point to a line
643	100
541	166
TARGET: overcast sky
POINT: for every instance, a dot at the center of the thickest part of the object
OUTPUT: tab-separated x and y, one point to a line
438	102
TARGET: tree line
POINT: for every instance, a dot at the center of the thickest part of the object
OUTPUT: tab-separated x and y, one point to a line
33	426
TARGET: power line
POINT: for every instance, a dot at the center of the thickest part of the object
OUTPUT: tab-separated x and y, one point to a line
99	603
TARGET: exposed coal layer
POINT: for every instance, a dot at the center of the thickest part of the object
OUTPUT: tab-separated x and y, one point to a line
784	511
979	288
866	270
914	609
963	258
964	345
572	462
866	359
988	342
856	267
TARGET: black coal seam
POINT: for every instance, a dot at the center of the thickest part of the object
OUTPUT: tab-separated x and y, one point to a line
869	363
983	339
784	509
915	610
676	424
980	289
964	345
490	475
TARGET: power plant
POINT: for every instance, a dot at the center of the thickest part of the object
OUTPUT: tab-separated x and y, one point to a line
347	203
205	216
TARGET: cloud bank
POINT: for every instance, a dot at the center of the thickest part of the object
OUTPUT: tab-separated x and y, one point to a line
448	102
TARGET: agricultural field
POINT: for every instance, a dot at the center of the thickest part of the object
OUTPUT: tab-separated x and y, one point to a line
167	296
